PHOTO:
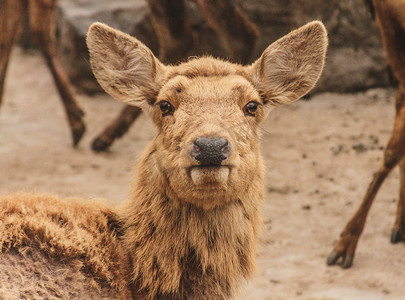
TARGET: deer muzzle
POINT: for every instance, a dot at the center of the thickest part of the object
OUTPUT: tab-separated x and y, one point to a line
210	153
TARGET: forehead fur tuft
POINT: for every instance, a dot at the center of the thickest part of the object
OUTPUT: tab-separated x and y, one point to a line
206	67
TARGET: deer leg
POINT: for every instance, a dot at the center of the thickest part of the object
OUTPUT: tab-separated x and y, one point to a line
41	23
232	25
393	154
398	231
116	129
11	13
346	246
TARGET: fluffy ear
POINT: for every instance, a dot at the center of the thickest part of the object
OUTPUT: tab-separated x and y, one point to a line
290	67
124	67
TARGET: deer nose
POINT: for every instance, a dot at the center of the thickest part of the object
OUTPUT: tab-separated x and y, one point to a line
210	151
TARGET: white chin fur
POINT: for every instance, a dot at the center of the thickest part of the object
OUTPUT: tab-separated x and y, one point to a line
209	175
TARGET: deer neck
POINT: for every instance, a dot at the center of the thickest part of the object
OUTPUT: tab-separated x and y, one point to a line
179	250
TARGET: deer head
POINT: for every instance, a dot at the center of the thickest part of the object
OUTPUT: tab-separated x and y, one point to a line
207	110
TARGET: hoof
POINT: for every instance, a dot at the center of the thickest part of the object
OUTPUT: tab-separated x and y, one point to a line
397	237
77	135
99	145
333	258
347	260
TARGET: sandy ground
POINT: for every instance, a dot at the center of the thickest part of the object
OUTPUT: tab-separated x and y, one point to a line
320	156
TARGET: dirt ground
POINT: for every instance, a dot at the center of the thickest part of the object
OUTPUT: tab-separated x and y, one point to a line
320	156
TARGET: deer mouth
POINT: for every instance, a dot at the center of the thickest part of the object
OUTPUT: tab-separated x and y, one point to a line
209	175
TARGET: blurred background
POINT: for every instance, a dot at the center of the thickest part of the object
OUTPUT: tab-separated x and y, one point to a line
355	58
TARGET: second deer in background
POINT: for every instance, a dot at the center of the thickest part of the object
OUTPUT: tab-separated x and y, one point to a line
390	17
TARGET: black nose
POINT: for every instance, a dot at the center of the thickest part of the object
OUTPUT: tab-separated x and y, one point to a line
210	151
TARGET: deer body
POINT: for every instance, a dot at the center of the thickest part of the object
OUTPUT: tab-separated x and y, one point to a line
390	17
50	246
190	228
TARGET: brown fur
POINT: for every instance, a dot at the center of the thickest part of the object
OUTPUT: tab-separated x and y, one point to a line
42	29
188	231
50	247
390	17
177	41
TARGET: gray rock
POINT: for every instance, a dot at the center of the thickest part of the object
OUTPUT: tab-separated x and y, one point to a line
355	59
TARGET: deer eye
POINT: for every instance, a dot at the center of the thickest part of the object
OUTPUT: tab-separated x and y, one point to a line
250	108
166	108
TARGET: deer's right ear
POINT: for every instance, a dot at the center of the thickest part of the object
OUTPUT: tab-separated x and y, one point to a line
124	67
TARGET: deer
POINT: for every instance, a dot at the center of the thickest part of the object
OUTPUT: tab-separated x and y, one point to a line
177	40
190	227
41	25
390	18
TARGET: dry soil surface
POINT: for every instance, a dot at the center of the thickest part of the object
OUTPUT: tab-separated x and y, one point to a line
320	156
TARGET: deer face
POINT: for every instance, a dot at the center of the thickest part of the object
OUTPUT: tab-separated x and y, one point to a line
207	111
207	142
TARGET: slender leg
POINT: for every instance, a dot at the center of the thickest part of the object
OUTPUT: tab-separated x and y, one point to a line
349	237
394	153
233	26
11	13
398	231
116	129
41	23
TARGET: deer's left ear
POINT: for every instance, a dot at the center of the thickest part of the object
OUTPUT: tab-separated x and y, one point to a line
290	67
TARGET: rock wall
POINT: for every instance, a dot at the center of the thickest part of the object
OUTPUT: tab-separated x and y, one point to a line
355	59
